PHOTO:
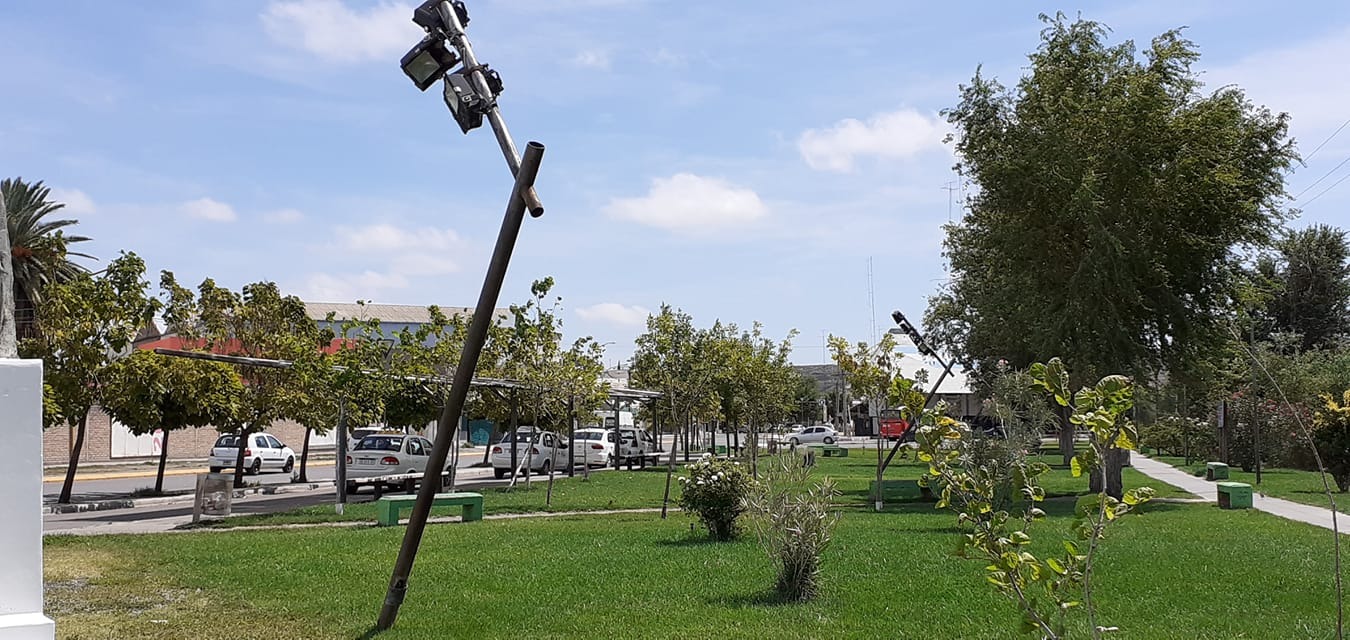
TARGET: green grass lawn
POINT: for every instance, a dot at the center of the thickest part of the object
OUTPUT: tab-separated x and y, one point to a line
1290	484
644	489
1171	571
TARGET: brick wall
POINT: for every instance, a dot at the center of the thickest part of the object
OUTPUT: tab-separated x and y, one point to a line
183	443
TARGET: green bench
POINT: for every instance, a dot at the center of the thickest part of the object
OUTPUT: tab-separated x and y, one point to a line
1235	495
388	507
832	451
1216	471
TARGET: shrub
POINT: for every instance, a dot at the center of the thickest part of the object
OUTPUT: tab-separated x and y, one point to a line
1331	431
792	520
715	491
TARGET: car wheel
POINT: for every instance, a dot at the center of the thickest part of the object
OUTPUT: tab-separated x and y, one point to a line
829	440
215	469
500	473
609	460
290	464
548	466
793	441
256	468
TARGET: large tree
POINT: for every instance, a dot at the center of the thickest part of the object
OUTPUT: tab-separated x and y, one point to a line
84	325
39	247
1111	195
1312	277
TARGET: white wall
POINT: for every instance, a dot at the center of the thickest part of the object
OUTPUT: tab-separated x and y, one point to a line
21	503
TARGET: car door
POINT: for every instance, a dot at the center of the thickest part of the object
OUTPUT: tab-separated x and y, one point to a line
278	451
416	455
263	451
547	447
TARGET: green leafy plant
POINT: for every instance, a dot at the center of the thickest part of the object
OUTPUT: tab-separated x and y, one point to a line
997	500
1331	432
793	521
715	491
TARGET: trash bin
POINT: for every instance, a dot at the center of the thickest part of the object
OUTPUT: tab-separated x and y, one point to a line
1216	471
214	497
1235	495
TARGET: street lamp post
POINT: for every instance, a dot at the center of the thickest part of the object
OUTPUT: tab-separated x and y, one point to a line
905	327
450	26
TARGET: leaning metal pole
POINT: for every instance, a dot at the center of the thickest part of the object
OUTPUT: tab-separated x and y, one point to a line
460	41
459	388
946	369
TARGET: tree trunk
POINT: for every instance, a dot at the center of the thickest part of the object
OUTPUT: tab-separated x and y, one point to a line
1111	468
1066	430
163	457
74	460
9	345
244	435
304	456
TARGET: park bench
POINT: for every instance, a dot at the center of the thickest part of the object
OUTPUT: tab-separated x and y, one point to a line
388	507
1235	495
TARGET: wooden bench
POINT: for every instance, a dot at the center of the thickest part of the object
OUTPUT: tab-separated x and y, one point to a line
388	507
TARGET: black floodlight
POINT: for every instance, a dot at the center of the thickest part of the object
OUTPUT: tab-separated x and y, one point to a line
428	62
464	102
428	16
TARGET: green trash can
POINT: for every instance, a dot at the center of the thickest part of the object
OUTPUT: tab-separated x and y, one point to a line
1235	495
1216	471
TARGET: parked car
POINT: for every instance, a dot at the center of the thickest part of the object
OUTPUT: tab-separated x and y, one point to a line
262	451
385	454
593	447
812	435
637	443
358	434
540	451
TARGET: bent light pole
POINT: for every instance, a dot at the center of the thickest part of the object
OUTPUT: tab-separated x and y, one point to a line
905	327
468	102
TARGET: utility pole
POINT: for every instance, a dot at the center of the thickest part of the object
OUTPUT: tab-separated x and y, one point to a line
450	26
9	344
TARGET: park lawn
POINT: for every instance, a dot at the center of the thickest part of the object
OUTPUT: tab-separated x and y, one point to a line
1290	484
645	489
1172	570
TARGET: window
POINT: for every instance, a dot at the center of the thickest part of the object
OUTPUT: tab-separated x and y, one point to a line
260	442
548	440
276	444
380	443
230	442
415	447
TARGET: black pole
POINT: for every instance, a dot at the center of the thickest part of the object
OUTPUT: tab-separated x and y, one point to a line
618	434
459	388
946	369
515	427
341	461
572	437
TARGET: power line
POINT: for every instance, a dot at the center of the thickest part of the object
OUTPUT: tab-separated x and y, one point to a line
1324	142
1324	191
1324	177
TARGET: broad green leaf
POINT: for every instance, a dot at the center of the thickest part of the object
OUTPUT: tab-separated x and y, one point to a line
1075	467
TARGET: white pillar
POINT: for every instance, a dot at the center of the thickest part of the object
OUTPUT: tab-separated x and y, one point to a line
21	615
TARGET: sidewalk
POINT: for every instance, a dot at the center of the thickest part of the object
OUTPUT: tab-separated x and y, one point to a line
1316	516
141	468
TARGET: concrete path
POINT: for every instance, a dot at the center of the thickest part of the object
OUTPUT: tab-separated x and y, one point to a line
1317	516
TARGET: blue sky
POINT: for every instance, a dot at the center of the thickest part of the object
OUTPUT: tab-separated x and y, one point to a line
741	160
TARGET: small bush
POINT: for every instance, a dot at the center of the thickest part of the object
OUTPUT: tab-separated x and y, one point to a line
793	522
1331	431
715	491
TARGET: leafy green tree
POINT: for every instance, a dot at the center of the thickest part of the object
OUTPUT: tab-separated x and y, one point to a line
1111	199
84	323
868	370
146	391
1313	295
258	322
38	245
672	357
1331	432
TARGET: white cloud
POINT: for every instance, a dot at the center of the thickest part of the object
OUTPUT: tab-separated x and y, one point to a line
422	264
1294	79
898	134
369	285
387	238
283	216
208	209
592	59
331	30
688	203
615	313
76	201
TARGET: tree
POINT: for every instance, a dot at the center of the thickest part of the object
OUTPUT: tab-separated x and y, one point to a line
868	370
1331	432
146	391
84	324
38	246
1313	279
1111	200
259	323
764	380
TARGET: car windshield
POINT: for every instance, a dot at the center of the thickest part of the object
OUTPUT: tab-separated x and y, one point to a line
520	436
380	443
227	441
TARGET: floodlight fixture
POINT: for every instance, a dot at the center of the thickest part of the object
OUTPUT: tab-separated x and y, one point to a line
463	101
428	15
428	62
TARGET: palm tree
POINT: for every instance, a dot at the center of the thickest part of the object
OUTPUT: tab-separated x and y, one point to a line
38	247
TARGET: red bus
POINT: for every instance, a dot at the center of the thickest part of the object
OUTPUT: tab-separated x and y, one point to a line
893	427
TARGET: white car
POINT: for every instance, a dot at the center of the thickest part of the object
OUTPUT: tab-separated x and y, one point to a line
387	454
540	451
262	451
813	435
593	447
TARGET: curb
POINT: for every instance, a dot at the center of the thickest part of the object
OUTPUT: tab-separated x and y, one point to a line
122	475
128	503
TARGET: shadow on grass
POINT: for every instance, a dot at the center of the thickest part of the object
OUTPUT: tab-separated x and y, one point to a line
693	541
758	600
